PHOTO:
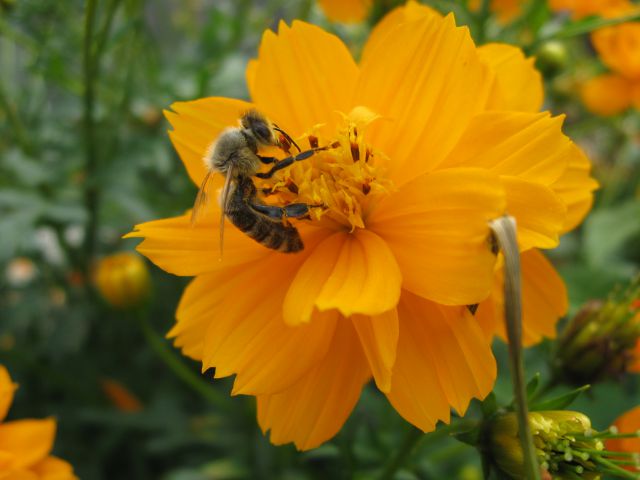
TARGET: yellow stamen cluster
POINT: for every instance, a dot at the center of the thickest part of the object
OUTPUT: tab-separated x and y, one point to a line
342	181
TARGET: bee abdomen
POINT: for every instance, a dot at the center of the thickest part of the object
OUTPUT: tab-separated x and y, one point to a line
271	234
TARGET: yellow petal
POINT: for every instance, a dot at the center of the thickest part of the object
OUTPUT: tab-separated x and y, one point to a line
409	12
314	409
437	228
28	440
539	212
353	273
350	11
433	67
518	85
18	475
177	246
379	338
54	468
544	301
607	95
197	124
526	145
232	321
443	361
306	75
7	389
575	188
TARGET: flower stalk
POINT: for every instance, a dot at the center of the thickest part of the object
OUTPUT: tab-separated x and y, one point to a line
177	366
504	230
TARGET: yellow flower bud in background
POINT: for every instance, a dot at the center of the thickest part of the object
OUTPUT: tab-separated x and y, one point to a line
601	341
123	279
566	446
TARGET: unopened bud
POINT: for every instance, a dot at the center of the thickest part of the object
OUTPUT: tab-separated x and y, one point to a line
602	341
123	279
565	445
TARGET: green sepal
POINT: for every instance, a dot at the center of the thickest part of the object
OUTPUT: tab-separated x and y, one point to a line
561	402
489	406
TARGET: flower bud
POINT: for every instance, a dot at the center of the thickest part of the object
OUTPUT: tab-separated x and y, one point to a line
601	341
566	446
551	57
123	279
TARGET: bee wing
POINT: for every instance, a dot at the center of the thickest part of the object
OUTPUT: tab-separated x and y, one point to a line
202	198
224	203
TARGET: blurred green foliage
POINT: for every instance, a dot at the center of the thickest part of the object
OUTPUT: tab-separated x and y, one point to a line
84	156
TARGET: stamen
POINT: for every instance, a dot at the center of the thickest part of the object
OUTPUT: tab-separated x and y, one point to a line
333	176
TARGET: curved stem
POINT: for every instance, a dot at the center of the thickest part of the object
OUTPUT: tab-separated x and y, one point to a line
179	368
504	229
414	437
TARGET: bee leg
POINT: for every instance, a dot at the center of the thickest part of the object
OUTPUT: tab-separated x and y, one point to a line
293	210
267	160
285	162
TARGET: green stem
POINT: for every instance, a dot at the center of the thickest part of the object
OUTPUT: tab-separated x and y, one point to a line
91	193
482	17
504	229
414	437
614	469
177	366
19	131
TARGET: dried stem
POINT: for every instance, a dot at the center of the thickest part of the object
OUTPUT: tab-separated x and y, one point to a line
504	229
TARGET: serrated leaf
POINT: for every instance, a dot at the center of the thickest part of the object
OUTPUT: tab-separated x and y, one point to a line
561	402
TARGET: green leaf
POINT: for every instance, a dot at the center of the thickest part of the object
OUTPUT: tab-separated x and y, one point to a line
532	386
586	25
609	234
561	402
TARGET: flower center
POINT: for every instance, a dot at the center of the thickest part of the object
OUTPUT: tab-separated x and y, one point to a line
340	182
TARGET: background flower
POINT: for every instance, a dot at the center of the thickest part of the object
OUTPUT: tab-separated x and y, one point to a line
25	445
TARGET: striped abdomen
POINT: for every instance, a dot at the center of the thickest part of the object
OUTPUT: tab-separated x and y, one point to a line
264	230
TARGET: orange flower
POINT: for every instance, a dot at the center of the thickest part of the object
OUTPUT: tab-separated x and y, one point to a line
614	92
518	87
25	445
346	11
423	161
629	422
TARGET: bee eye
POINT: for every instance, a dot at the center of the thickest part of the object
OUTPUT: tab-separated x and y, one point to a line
262	132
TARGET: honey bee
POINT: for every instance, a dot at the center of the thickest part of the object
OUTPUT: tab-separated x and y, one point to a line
235	155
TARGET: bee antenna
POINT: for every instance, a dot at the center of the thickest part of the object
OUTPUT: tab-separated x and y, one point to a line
286	135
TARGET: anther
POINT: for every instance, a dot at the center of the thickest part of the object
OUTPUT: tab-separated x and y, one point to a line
313	141
292	187
355	151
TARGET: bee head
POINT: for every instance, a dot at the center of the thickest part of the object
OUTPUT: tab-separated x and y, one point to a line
259	127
